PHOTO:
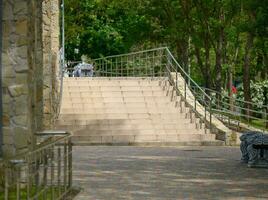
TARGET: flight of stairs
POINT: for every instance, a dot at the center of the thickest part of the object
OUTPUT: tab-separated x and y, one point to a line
128	111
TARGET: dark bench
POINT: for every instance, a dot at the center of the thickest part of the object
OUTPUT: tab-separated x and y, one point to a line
254	149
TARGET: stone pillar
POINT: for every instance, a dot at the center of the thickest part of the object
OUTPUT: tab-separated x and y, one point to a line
15	76
51	60
30	50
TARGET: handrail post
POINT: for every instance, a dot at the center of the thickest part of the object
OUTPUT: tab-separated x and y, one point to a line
106	67
205	116
153	65
133	66
210	114
176	83
185	84
116	68
6	182
59	171
70	161
194	102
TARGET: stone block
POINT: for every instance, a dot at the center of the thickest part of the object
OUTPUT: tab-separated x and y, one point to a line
6	60
21	78
46	21
22	51
7	81
20	120
7	29
8	71
22	41
47	108
7	98
8	11
21	105
21	137
18	90
7	108
22	27
20	7
9	150
8	136
6	119
21	65
47	122
6	43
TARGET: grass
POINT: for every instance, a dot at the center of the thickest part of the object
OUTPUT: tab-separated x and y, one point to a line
256	123
44	195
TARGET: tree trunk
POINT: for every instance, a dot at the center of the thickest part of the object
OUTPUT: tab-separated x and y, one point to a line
246	71
203	68
182	52
265	66
230	84
219	54
208	80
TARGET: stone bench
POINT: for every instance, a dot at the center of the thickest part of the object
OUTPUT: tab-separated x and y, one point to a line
254	149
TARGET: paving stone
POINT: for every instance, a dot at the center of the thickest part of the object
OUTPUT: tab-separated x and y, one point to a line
167	173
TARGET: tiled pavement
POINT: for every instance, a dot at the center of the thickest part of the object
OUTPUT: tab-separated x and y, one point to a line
165	173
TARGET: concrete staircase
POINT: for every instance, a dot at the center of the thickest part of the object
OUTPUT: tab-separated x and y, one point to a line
128	111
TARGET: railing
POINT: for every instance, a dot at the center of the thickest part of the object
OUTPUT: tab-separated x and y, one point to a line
235	110
44	173
154	63
204	112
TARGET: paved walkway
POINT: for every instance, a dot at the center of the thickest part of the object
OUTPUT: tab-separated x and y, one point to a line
115	173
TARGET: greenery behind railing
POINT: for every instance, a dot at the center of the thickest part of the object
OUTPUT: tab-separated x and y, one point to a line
236	109
44	173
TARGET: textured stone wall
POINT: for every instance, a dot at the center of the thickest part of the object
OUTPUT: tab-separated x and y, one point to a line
51	58
29	62
15	75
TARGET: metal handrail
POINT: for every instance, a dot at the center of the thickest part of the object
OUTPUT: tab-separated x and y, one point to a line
247	114
45	172
186	74
237	106
132	53
239	100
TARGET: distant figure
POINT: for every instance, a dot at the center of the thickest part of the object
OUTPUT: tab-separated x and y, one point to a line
83	70
77	71
234	90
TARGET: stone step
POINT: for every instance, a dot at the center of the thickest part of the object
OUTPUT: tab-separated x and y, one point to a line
90	110
91	100
85	132
114	84
98	94
114	89
75	125
136	122
162	116
123	127
143	138
68	104
153	143
103	106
